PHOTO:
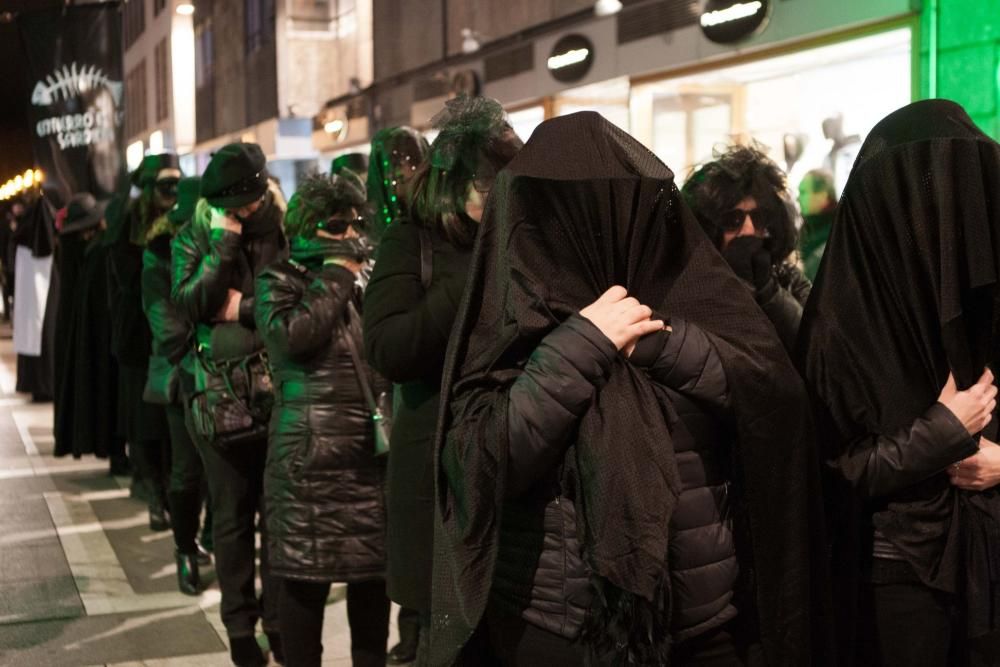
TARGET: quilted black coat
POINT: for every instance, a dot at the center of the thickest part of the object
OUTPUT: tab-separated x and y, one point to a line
323	485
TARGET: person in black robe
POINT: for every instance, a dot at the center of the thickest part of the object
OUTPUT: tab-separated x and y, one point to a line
86	397
581	208
36	232
896	344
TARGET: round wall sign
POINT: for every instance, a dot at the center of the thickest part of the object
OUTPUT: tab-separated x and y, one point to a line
571	58
728	21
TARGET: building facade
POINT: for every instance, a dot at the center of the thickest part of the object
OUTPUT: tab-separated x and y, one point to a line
263	69
159	77
807	79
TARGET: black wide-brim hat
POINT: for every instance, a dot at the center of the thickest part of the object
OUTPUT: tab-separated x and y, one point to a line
83	212
235	177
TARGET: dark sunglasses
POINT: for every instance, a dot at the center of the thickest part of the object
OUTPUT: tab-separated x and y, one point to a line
339	225
167	187
731	221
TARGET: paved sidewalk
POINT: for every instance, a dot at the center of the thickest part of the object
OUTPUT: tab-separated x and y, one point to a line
82	579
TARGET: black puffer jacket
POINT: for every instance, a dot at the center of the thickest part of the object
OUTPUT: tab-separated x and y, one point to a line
323	485
406	334
540	573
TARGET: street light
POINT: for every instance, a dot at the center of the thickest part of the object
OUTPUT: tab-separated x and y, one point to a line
607	7
185	9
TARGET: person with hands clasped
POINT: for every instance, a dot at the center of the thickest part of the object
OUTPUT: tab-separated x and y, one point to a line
896	344
613	487
235	234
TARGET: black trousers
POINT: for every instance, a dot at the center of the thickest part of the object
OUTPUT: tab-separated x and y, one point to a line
516	643
301	611
408	622
907	624
186	478
235	483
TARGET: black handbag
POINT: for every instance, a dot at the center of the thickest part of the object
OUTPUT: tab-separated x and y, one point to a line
380	407
232	399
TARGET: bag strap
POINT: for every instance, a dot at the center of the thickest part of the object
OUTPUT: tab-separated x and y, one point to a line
426	257
359	370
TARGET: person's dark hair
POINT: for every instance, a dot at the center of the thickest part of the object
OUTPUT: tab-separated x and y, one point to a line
475	142
320	196
715	188
822	181
394	149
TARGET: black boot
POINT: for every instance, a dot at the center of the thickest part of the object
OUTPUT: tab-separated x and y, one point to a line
277	649
158	520
245	652
204	558
188	578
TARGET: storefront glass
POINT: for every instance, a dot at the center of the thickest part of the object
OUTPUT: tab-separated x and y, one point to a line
608	98
791	100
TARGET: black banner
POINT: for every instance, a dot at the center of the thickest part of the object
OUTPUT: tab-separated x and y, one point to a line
77	104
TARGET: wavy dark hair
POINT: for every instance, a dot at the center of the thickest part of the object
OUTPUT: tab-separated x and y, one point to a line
475	142
320	196
715	188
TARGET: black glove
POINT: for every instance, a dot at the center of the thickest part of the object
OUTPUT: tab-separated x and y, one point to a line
750	260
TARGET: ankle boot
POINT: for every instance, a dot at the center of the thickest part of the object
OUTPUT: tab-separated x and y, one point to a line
277	648
188	577
158	520
204	558
244	652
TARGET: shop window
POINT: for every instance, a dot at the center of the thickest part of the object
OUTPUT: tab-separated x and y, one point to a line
608	98
774	100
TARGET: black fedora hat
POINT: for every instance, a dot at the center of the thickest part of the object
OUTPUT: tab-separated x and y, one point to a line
83	212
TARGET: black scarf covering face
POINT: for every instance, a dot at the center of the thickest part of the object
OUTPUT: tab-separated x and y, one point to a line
583	207
908	290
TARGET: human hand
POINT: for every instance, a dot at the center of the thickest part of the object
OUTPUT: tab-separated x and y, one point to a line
225	220
973	406
749	259
621	318
349	264
230	310
980	471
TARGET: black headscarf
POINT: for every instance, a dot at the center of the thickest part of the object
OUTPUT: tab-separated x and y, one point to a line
583	207
907	290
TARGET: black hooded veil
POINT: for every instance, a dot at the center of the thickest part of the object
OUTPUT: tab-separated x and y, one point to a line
583	207
907	290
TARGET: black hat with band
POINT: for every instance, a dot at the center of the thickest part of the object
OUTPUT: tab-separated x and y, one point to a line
235	177
83	212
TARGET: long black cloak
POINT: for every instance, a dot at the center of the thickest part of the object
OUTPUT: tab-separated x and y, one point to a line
583	207
907	290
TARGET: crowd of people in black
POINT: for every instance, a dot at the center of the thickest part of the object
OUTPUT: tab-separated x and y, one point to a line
560	410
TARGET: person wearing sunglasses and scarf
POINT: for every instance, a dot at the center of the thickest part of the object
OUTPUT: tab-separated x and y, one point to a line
323	483
741	201
144	425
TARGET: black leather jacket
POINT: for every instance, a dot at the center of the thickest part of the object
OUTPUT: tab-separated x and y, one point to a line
208	262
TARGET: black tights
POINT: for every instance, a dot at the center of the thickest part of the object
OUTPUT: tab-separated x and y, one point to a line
300	618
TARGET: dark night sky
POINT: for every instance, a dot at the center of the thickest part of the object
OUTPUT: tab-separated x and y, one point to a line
15	141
